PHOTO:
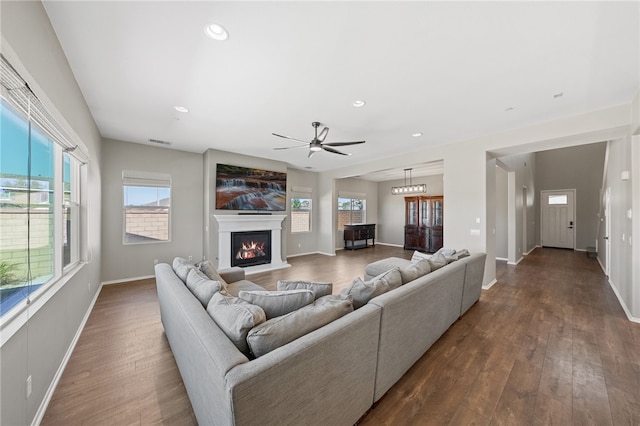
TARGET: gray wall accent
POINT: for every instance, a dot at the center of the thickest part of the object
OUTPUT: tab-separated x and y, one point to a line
122	262
38	348
579	167
390	228
305	242
501	224
213	157
355	185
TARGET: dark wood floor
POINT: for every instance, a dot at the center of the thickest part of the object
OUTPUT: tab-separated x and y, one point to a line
548	344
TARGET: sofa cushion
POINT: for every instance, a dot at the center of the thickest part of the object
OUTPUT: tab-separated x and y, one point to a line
201	286
209	270
181	267
318	288
383	265
418	256
235	288
363	291
415	270
235	317
437	261
278	303
281	330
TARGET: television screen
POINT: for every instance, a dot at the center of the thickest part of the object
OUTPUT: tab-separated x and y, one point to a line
242	188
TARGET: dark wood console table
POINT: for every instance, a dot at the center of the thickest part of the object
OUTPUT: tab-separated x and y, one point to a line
358	236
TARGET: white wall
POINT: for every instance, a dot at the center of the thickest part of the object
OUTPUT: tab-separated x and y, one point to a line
501	213
390	227
39	346
303	242
125	262
356	186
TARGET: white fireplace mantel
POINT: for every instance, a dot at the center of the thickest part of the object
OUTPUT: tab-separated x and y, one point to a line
252	222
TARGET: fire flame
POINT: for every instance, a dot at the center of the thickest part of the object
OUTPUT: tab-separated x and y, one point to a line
250	250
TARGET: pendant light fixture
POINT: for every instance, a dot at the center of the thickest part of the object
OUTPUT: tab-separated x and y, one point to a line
418	188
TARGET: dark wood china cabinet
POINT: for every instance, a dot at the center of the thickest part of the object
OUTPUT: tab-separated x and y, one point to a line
423	223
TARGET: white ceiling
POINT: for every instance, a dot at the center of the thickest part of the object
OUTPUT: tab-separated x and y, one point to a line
447	69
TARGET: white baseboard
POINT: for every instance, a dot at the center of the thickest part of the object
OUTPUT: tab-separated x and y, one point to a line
503	259
328	254
56	378
126	280
579	249
532	249
488	286
303	254
515	263
604	271
624	306
389	244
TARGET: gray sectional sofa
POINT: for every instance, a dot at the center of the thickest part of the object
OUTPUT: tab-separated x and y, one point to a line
332	375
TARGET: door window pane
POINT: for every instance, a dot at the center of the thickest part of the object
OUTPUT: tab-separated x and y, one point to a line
558	199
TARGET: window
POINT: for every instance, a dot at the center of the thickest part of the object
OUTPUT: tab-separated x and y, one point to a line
38	208
300	214
558	199
350	211
146	207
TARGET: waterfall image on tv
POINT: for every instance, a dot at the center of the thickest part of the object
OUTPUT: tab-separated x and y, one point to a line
242	188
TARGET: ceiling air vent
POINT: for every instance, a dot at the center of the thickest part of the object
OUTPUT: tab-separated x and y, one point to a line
158	141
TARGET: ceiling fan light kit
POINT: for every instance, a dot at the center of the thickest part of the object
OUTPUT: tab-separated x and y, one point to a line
317	143
419	188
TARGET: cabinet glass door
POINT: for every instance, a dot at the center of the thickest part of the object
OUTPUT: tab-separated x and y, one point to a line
412	212
426	212
437	212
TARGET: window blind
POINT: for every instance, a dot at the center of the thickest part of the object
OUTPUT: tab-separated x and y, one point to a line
141	178
18	93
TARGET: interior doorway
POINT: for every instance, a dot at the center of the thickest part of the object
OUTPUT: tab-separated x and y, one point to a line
558	218
524	221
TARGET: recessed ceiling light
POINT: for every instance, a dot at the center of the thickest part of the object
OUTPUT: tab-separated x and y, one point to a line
216	32
509	109
359	103
558	95
417	134
180	108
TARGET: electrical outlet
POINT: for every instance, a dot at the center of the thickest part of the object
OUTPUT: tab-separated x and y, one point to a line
29	386
89	287
190	258
155	261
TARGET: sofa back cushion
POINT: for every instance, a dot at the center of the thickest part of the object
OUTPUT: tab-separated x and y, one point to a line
181	267
319	288
363	291
415	270
201	286
235	317
281	330
209	270
278	303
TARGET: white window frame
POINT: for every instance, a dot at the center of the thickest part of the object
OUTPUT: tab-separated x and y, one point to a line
137	178
351	196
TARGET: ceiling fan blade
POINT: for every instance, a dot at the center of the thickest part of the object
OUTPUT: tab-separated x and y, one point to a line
342	143
335	151
310	153
291	147
323	134
289	137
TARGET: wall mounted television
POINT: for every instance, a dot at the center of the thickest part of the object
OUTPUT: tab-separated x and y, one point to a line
243	188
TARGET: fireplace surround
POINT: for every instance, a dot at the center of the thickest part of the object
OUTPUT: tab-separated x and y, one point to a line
228	224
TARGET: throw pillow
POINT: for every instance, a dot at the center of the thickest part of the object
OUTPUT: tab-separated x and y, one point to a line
318	288
418	256
363	291
235	317
438	261
209	270
201	286
278	303
279	331
181	267
415	270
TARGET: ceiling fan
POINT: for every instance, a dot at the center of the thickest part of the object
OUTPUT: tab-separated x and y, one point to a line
317	143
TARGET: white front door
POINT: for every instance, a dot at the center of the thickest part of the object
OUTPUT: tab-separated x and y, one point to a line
558	218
